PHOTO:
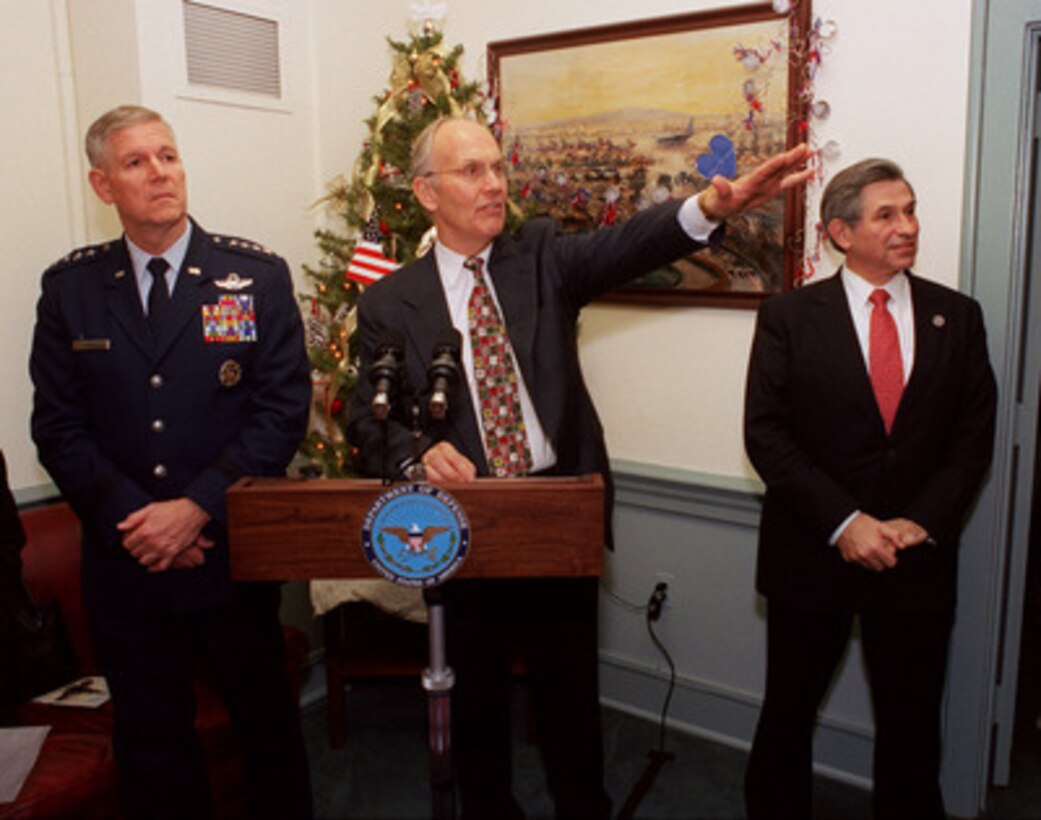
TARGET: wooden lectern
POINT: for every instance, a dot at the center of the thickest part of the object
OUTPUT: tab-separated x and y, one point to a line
280	529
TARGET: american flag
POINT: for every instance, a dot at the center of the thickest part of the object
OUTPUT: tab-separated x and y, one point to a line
368	262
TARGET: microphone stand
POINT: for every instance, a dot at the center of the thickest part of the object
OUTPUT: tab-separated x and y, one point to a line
438	680
385	374
385	449
386	474
417	434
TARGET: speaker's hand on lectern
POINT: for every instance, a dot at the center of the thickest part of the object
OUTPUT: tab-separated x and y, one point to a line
445	463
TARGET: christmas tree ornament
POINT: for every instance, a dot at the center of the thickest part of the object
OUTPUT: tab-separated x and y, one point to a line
416	100
433	80
345	317
427	17
368	262
826	29
831	150
820	109
315	331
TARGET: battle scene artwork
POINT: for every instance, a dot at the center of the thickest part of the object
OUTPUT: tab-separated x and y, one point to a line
595	132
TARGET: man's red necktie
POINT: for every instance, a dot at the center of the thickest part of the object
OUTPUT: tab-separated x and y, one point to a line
884	362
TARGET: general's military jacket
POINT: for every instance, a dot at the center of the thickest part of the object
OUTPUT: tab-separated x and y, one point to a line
121	419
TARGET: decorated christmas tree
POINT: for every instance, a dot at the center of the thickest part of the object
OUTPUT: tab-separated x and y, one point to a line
379	226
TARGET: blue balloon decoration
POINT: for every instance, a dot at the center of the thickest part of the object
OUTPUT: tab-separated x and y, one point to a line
720	158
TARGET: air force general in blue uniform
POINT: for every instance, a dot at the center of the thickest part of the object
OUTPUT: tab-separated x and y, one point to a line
143	429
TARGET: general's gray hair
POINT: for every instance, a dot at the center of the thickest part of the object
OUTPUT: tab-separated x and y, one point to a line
110	122
841	198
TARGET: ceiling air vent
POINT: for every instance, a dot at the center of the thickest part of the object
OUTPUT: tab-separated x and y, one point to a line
229	49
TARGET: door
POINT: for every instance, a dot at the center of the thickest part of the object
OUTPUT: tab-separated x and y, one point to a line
1027	386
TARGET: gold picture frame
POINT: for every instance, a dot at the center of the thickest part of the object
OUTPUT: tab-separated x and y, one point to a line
599	122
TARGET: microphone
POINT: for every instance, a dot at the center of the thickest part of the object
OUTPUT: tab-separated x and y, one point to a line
443	373
385	370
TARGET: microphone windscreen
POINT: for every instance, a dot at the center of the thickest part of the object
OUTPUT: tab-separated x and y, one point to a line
391	339
450	340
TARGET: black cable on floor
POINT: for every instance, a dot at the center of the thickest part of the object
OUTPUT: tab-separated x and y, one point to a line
656	758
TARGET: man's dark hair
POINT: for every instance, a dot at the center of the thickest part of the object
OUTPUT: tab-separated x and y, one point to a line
841	198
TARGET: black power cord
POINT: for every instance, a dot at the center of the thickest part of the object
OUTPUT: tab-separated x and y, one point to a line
656	758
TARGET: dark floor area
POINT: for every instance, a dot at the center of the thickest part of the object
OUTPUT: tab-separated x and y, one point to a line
382	771
1022	798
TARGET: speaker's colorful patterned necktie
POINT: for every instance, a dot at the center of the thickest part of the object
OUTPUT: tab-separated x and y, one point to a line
502	424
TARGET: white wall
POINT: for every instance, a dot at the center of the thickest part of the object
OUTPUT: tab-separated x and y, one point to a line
252	166
352	65
896	79
35	210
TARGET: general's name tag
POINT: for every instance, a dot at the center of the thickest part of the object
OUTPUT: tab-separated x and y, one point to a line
81	345
232	319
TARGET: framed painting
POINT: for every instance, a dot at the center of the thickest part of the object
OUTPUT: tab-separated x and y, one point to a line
598	123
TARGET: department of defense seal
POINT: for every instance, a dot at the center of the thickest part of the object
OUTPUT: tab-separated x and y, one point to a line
415	535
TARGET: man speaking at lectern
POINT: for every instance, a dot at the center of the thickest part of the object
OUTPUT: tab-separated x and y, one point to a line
515	301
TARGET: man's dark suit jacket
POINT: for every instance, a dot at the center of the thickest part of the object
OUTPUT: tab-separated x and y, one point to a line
111	404
814	433
12	535
14	601
542	279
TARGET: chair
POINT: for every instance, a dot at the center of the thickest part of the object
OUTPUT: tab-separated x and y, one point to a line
365	646
76	774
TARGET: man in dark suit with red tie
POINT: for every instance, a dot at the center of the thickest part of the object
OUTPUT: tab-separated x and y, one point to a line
869	415
521	408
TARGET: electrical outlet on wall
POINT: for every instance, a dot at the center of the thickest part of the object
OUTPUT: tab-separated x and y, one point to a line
659	595
668	579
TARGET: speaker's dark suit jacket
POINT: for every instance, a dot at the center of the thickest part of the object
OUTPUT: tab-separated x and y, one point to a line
542	279
814	433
